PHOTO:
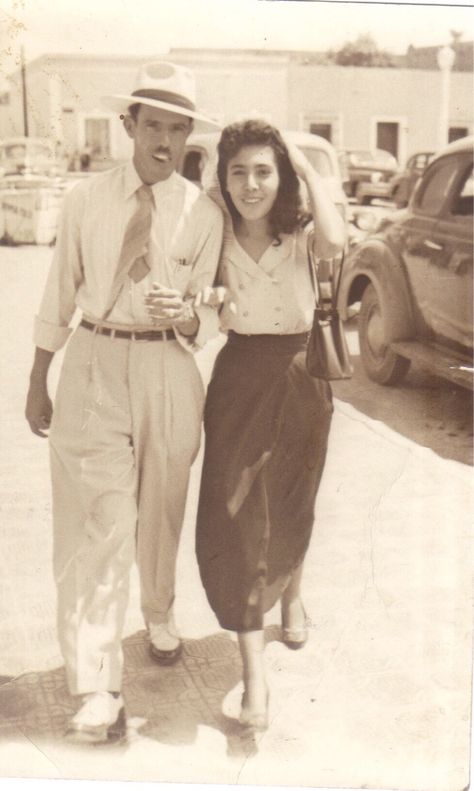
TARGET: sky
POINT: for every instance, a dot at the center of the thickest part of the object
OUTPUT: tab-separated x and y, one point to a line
150	27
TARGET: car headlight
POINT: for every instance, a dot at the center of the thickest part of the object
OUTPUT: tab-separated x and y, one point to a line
375	177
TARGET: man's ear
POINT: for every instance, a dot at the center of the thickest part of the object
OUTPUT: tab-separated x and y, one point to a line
190	128
129	126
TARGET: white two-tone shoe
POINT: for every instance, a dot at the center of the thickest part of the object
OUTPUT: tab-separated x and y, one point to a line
100	719
165	645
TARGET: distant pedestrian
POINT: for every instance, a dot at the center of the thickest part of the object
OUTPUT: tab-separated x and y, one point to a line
135	245
85	157
266	420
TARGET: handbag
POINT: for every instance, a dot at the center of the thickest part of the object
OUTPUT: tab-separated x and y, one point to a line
327	354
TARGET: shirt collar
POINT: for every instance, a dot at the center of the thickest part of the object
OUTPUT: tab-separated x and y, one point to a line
132	182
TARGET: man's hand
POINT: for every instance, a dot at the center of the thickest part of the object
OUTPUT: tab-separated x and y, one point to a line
39	408
166	306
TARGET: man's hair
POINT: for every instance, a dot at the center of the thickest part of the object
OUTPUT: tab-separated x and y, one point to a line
286	214
134	109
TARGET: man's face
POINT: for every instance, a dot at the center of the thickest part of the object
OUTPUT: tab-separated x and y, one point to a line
159	137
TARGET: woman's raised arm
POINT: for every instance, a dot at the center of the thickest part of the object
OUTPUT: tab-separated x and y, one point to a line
330	232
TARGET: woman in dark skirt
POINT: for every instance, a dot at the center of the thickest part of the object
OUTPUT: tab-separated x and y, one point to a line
266	420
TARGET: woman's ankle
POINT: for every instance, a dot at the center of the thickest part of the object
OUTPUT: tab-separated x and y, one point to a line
255	693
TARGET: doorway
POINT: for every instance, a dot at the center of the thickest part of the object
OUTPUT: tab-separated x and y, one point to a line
323	130
387	137
456	132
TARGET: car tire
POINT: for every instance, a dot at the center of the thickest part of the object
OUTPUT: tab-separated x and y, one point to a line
380	363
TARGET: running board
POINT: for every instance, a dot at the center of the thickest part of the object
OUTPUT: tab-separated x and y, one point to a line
440	361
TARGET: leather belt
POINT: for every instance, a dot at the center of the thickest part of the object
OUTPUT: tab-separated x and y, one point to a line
133	335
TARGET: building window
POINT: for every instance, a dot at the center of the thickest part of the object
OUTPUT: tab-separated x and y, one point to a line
97	137
456	132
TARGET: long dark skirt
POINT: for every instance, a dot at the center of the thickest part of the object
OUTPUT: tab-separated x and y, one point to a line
267	424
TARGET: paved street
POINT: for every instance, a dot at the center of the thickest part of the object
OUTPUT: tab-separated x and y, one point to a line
380	696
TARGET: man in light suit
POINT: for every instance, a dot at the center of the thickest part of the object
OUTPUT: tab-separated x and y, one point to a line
135	245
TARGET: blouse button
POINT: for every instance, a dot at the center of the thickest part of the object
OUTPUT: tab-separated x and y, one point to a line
245	313
241	286
278	310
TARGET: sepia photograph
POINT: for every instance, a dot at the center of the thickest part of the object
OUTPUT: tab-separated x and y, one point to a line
236	350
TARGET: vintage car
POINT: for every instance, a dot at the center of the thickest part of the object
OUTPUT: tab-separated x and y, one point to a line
413	278
201	150
29	156
368	174
403	183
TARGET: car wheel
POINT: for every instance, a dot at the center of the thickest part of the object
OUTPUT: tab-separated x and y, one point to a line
381	364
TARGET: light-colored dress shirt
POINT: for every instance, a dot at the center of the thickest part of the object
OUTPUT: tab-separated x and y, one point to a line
274	296
183	253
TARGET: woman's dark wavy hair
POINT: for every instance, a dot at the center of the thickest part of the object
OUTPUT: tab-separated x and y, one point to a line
286	214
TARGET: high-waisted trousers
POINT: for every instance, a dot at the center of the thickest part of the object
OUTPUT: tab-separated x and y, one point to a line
125	431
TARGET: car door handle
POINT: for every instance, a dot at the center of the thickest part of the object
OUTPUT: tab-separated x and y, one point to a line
432	245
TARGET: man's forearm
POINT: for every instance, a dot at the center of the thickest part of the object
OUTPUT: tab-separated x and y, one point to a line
40	368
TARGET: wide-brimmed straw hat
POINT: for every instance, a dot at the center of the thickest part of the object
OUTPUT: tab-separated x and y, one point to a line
164	85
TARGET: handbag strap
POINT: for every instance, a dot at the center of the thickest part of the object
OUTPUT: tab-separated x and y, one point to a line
313	273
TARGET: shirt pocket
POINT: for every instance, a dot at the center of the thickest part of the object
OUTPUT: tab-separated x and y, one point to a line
180	271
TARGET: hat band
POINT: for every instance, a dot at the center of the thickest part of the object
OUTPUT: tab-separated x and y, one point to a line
164	96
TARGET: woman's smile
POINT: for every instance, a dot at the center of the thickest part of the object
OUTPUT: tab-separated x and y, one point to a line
253	181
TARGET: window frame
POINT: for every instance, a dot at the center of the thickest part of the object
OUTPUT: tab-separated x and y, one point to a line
427	178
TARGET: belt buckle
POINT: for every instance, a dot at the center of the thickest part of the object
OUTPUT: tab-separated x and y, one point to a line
135	336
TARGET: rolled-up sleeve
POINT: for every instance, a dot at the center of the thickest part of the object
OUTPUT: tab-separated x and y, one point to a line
203	275
51	327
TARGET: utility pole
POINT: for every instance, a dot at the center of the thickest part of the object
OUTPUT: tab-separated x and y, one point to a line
445	57
24	93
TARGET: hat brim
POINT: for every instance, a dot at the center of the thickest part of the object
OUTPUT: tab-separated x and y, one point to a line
121	103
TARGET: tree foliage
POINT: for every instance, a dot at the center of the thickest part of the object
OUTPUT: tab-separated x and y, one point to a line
362	52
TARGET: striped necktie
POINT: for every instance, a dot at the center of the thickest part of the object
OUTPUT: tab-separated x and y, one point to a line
132	260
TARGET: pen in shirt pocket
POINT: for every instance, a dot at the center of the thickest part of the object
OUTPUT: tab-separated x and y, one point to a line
179	263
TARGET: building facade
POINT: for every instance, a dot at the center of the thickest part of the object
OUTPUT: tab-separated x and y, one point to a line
354	107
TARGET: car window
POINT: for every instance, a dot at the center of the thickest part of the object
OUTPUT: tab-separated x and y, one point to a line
462	205
319	160
435	187
420	162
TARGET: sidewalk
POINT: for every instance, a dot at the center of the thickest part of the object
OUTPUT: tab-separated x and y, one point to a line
380	696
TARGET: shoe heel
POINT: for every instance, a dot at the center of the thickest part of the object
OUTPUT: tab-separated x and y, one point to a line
118	729
297	637
254	723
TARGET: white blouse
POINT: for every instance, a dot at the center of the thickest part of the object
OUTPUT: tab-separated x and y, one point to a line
274	296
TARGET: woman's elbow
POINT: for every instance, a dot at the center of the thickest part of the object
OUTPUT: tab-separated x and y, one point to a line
333	244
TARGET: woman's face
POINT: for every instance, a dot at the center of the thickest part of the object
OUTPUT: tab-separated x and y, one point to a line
253	181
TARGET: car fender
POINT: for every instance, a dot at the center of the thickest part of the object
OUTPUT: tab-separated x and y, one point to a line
373	262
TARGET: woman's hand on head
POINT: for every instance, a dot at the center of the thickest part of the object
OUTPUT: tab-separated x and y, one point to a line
301	164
